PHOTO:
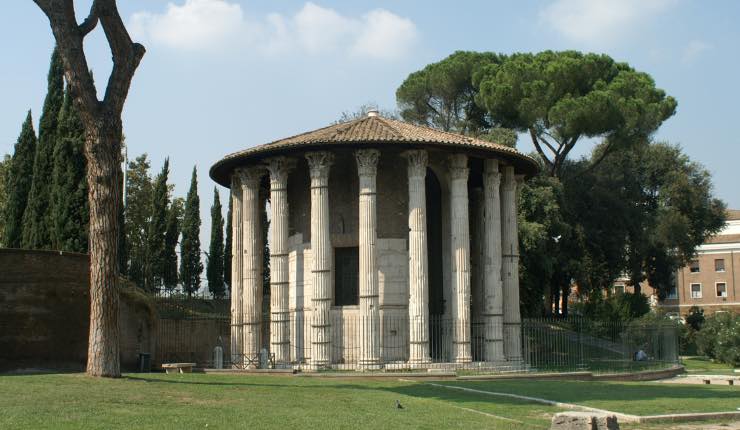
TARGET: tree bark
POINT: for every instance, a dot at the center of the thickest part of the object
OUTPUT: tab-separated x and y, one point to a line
102	149
103	134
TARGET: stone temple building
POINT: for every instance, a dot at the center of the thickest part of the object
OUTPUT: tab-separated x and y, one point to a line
390	245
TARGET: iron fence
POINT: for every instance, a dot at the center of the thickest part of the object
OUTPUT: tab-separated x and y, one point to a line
200	330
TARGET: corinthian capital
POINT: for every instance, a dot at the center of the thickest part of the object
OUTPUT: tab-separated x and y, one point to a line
319	163
458	165
250	176
367	161
279	167
418	160
491	175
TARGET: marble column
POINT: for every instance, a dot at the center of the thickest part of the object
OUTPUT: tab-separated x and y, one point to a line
510	267
418	259
251	261
279	167
460	251
493	293
367	169
237	249
321	258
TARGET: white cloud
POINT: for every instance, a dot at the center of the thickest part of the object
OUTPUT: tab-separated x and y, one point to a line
598	22
195	25
693	50
204	25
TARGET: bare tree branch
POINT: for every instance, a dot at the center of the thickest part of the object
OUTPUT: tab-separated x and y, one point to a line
537	146
91	21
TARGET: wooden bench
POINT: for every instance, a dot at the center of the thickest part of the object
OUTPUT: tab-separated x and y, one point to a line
178	367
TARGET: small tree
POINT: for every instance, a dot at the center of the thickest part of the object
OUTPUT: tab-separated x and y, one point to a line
37	216
20	175
191	266
174	221
215	270
157	230
138	216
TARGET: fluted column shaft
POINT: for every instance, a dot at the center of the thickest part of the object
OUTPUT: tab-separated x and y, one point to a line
460	241
367	168
251	261
321	258
418	259
510	267
492	284
279	168
237	250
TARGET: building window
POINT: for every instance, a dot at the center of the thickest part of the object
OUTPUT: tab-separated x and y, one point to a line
721	289
696	291
619	289
346	276
719	265
694	266
672	293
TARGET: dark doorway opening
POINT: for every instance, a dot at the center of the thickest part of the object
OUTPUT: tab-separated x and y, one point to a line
434	255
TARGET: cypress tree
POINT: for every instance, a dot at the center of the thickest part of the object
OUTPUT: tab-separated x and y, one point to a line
215	269
19	178
70	214
157	230
190	265
174	221
4	168
37	216
227	248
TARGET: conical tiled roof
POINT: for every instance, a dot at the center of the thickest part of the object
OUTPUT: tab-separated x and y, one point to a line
371	130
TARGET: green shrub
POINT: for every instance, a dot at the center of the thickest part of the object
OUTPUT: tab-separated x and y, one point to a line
620	307
719	338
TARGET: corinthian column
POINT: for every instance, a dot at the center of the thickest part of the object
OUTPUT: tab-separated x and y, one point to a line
418	260
510	268
367	168
460	227
237	249
492	284
251	262
321	261
279	305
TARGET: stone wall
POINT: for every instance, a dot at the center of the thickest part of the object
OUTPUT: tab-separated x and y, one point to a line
44	313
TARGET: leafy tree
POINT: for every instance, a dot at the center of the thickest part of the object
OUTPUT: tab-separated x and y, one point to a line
558	98
19	178
157	230
227	246
215	269
191	266
695	319
103	139
361	112
174	221
138	215
69	206
442	95
668	209
37	216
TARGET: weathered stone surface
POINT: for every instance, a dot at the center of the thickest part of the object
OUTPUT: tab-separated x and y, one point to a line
584	421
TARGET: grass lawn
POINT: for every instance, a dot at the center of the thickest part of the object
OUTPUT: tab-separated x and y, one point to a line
705	365
636	398
239	401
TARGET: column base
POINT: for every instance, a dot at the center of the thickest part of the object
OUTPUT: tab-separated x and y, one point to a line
369	365
419	363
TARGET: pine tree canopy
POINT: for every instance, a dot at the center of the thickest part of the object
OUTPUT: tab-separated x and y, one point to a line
215	270
69	205
19	178
157	230
37	216
191	266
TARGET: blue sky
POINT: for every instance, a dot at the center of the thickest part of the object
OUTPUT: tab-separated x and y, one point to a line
222	75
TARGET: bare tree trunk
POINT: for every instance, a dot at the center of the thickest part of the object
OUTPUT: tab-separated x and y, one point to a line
103	131
102	149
